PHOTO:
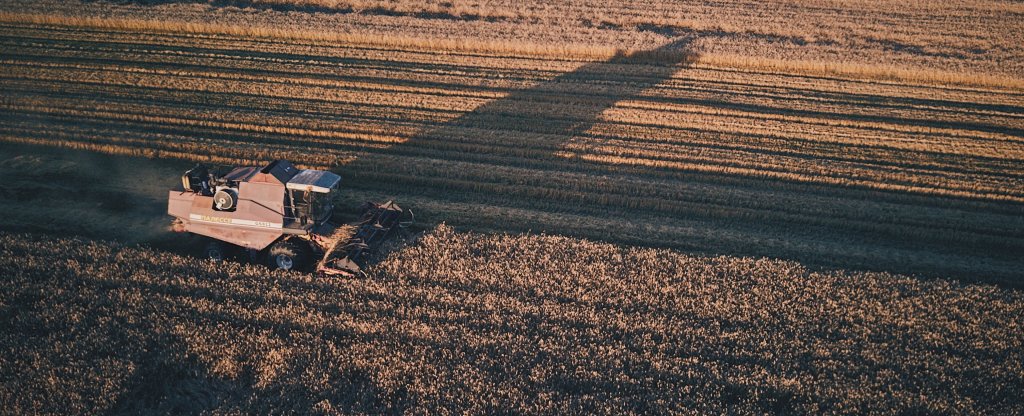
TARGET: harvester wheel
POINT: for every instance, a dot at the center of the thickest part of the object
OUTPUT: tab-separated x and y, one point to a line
288	255
215	250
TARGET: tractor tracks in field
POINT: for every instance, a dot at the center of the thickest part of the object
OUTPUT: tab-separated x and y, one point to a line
827	171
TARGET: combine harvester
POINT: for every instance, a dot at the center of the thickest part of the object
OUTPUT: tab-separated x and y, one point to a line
281	215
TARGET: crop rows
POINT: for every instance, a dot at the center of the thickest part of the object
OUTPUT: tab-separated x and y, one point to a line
825	170
971	41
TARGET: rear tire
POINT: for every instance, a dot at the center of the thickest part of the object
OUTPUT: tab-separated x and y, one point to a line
215	251
288	255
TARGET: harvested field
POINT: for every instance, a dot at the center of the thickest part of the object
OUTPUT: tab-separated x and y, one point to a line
970	37
655	207
642	148
571	327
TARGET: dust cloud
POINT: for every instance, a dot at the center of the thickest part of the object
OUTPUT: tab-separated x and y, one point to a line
78	193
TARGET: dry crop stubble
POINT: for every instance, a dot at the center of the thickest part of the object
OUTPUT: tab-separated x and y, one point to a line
635	149
851	165
970	40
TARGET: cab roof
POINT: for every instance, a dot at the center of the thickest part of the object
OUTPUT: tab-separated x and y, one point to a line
314	180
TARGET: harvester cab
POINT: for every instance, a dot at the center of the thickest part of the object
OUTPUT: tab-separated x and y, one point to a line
279	214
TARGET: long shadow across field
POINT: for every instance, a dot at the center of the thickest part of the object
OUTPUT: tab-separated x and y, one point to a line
539	129
546	116
527	128
110	209
521	162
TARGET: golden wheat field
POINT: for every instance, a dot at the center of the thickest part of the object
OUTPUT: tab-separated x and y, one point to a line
657	207
469	323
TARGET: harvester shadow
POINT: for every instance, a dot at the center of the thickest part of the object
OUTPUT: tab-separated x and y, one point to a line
531	161
501	130
526	161
540	121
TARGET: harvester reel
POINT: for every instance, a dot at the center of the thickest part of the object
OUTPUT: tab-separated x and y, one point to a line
377	222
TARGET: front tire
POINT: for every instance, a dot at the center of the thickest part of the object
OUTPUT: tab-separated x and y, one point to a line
288	255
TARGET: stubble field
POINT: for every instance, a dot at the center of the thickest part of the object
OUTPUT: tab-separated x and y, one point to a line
786	153
640	148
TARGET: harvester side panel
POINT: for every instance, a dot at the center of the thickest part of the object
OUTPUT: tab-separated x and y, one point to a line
263	200
247	236
256	222
179	203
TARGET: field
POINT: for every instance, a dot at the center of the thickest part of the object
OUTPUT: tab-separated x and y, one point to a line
640	149
706	160
976	39
579	327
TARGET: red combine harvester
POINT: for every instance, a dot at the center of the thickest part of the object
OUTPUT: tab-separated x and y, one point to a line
280	214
